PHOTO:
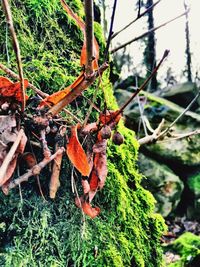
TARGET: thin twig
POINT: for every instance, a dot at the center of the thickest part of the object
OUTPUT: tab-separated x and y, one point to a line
181	115
46	150
89	36
142	86
139	8
153	137
137	18
35	170
9	19
110	31
15	76
7	51
77	90
92	105
147	33
180	136
140	108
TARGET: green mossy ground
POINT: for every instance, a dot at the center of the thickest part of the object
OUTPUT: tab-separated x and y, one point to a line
188	247
38	233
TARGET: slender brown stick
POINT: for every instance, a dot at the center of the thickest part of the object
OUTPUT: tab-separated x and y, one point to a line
138	17
143	85
178	118
146	33
16	48
181	136
110	31
92	105
89	35
77	91
35	170
10	155
46	150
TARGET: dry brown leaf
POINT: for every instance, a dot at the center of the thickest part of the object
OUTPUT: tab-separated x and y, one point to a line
54	181
110	117
10	89
58	96
86	186
89	210
76	153
12	165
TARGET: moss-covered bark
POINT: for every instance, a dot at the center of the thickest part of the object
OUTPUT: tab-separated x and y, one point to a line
38	233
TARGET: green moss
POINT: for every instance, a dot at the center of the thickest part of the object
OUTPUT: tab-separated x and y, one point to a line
194	184
187	246
38	233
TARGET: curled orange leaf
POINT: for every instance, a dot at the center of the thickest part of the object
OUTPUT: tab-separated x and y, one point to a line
76	153
58	96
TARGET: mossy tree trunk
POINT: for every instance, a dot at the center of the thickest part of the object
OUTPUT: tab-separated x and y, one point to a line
38	233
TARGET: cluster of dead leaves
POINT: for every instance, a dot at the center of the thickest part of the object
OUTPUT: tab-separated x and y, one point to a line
91	163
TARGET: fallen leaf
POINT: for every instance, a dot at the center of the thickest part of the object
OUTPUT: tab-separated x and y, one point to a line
89	210
10	89
76	153
12	165
94	178
85	185
58	96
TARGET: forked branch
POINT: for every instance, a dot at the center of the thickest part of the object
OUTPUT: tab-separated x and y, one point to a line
36	169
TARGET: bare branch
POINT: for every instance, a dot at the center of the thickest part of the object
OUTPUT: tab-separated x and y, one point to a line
92	105
110	31
181	115
138	17
144	84
181	136
35	170
16	48
153	137
77	91
89	35
146	33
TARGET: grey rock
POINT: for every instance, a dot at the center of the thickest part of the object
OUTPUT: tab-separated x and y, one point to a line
162	182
